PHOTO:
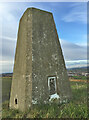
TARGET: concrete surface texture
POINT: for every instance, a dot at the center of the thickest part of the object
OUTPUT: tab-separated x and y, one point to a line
39	68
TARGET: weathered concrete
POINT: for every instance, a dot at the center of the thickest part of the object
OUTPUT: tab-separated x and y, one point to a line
38	57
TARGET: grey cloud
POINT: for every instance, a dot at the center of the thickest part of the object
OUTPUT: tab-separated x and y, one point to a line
7	55
8	49
72	51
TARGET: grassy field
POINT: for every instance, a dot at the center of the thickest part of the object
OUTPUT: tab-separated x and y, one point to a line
6	87
76	108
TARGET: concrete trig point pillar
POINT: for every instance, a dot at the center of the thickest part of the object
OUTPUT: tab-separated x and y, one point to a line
39	68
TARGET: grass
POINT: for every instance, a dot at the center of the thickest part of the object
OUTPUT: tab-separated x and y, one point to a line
76	108
6	87
79	91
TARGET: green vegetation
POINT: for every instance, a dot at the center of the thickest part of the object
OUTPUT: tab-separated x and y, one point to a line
76	108
6	87
69	110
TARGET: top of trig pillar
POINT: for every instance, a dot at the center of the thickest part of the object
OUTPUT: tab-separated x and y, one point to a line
32	10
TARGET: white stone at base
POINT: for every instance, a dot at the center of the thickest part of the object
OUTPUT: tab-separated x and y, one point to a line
54	96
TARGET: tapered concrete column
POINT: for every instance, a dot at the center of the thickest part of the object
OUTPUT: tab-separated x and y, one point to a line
39	68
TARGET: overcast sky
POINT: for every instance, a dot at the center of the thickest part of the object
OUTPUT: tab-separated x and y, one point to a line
71	24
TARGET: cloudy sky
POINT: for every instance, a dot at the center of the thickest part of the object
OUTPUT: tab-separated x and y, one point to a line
71	24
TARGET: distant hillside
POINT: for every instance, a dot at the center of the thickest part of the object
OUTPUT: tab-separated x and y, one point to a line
78	70
6	75
81	69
